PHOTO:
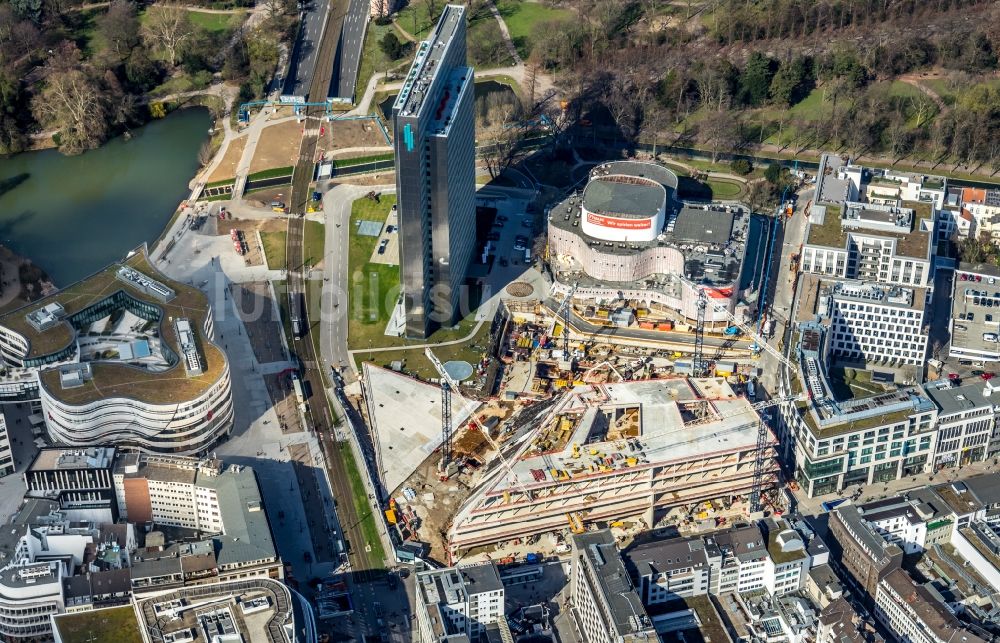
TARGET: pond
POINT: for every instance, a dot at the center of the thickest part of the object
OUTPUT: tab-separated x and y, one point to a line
73	215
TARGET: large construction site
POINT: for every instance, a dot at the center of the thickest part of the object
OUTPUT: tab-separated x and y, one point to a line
599	405
673	452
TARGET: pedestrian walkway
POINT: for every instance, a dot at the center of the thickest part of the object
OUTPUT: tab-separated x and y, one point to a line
880	490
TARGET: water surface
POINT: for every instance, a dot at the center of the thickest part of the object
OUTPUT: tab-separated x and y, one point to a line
73	215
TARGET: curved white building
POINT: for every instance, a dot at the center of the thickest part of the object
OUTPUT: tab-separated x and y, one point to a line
627	235
125	357
29	594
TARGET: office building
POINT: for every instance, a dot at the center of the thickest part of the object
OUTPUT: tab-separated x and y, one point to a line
604	602
7	464
872	243
966	421
863	440
75	478
861	551
435	153
615	452
769	555
463	601
58	559
876	325
912	613
110	366
900	521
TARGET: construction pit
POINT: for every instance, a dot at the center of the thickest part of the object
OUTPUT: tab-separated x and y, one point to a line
431	499
608	412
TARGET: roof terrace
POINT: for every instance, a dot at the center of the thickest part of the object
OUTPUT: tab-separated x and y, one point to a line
112	379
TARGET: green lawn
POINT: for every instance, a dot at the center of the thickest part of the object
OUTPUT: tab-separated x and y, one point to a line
217	21
373	59
521	18
850	383
725	190
361	505
281	292
112	625
182	83
81	28
372	284
416	363
274	248
274	172
415	19
315	238
359	160
375	287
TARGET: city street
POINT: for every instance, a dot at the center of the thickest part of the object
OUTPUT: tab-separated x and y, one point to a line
782	289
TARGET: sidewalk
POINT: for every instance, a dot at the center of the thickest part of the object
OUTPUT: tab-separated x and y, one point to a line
880	490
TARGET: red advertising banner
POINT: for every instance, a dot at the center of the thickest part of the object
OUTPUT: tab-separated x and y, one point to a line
618	223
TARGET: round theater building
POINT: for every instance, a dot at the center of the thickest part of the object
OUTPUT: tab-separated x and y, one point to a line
626	235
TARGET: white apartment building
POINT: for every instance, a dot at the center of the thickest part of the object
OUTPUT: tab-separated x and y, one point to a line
899	521
738	559
984	208
787	563
966	421
875	243
458	601
873	323
173	491
913	615
606	606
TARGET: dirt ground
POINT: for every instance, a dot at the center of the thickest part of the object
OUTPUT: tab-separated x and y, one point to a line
263	198
255	255
278	146
437	501
227	168
382	178
354	133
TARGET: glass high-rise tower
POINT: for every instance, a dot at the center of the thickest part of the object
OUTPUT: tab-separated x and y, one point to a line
434	128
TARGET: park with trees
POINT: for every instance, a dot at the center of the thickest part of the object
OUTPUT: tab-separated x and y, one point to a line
85	73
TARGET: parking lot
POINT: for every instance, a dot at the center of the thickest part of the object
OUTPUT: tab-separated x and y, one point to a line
512	233
976	314
387	249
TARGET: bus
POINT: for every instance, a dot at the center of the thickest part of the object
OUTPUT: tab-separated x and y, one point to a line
297	387
297	308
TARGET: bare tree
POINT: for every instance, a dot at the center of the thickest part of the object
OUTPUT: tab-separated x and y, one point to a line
654	120
120	26
720	131
505	149
72	103
169	29
531	78
897	135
